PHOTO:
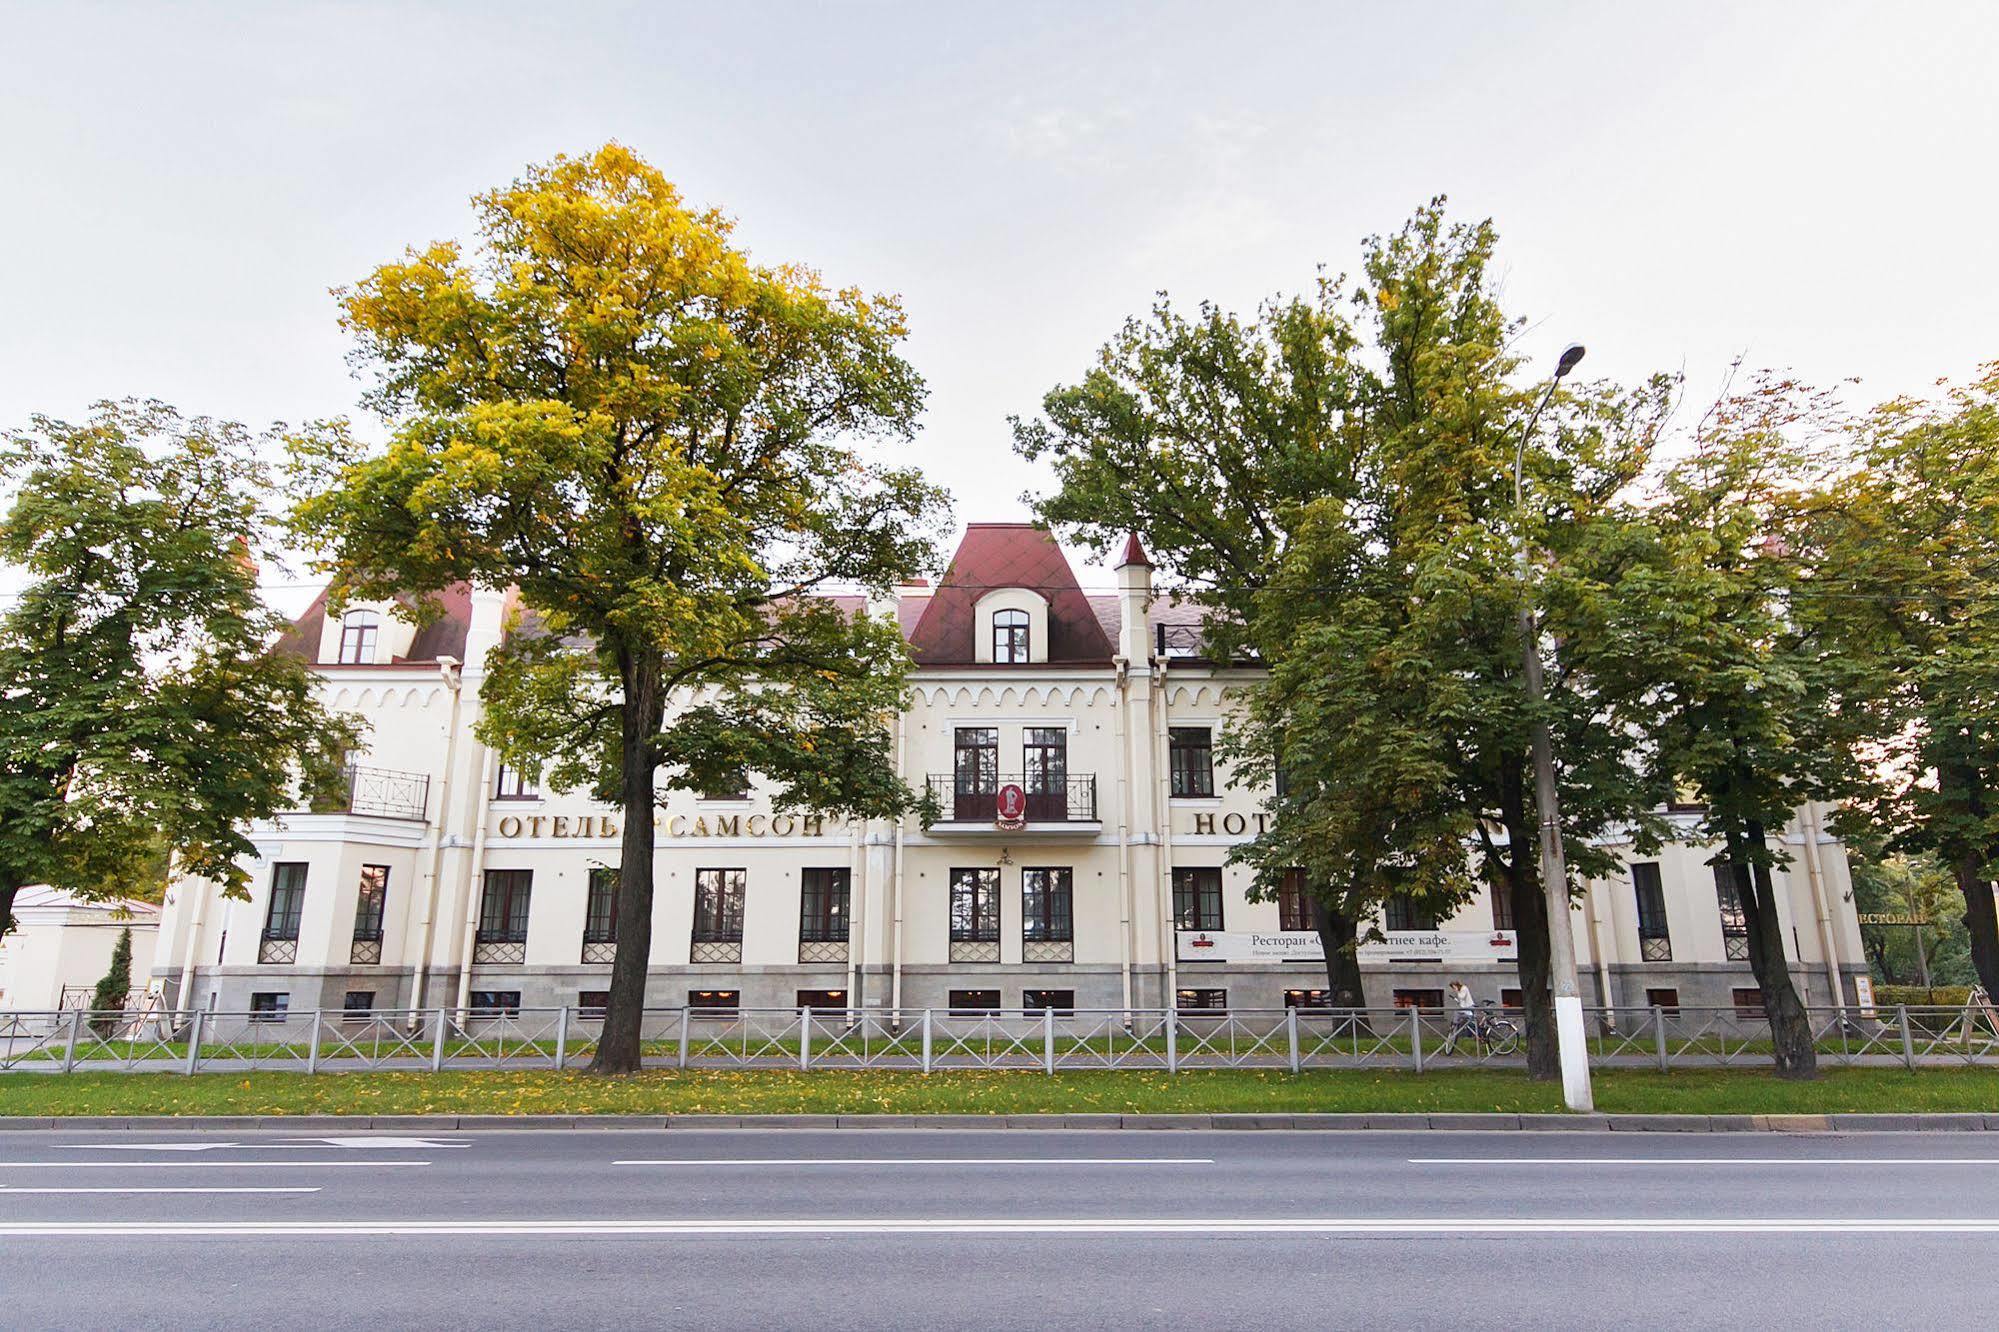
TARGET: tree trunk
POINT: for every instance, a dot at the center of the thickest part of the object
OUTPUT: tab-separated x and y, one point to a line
1790	1025
7	892
1339	936
1981	921
618	1048
1537	1007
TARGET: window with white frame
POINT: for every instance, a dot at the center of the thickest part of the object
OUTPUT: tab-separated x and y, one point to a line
359	630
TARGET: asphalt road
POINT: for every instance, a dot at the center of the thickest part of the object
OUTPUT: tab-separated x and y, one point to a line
942	1228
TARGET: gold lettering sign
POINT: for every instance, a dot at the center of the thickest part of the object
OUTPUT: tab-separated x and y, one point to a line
1233	824
605	827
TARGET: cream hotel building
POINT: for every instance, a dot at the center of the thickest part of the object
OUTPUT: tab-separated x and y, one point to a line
449	881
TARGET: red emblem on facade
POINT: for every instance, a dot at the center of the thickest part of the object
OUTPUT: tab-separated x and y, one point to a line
1012	807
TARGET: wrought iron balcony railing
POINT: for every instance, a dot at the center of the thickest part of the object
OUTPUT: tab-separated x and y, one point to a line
383	792
1071	799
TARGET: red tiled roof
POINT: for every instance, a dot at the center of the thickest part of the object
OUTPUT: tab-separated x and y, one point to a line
1000	555
441	637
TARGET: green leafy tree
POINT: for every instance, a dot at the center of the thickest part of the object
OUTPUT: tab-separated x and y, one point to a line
1702	618
607	406
1922	889
1339	497
111	992
143	705
1906	588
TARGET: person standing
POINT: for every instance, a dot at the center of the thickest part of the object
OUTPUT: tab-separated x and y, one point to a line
1464	1011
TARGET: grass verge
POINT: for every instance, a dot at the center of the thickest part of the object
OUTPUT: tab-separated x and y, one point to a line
1693	1091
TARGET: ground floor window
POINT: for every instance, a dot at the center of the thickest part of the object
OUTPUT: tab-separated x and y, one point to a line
817	999
1201	1001
1419	998
1666	1000
973	1001
1062	1001
1197	899
502	935
1308	998
357	1003
269	1006
590	1004
715	1003
1748	1001
975	915
496	1003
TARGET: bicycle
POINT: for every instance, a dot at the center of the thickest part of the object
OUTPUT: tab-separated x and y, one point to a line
1492	1033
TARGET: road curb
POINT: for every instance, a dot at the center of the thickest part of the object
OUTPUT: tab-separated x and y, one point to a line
1333	1123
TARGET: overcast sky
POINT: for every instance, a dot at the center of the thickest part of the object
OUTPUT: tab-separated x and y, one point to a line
1674	184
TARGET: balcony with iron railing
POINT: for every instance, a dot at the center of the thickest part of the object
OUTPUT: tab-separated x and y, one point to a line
1051	804
382	792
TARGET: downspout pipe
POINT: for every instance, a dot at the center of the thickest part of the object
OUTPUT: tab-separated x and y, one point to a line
454	679
1809	824
1123	740
475	879
895	885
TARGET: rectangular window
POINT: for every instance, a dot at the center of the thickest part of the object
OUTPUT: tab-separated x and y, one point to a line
1402	913
496	1003
1010	637
1062	1001
1045	755
269	1006
973	1001
357	1004
975	908
1190	751
513	784
1044	906
600	906
1502	906
1201	1001
503	912
590	1004
974	772
818	999
822	905
1667	1001
714	1003
1655	942
1748	1001
1197	899
1419	998
737	787
1510	997
370	903
1294	904
1308	998
1734	923
287	907
718	905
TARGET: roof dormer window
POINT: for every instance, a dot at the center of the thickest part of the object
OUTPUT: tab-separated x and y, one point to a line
1010	636
358	631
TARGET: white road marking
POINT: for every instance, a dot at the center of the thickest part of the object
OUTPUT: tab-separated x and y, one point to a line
1705	1160
150	1146
21	1188
367	1142
926	1160
1024	1226
371	1140
203	1165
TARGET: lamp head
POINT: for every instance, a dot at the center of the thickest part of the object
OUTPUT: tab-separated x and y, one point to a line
1570	355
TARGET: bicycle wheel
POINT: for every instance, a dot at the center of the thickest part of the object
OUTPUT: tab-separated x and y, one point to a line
1502	1037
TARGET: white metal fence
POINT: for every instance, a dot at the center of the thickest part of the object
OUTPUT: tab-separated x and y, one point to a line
930	1040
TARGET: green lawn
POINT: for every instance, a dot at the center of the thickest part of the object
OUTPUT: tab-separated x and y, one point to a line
1689	1091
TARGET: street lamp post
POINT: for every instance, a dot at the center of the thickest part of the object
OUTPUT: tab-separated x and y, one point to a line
1570	1038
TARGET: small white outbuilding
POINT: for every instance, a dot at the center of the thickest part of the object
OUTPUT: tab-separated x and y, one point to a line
61	947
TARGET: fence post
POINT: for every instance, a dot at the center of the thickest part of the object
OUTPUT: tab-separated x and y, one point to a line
561	1037
437	1043
312	1047
69	1041
1659	1034
1416	1036
684	1025
194	1041
1291	1035
1172	1040
926	1040
1048	1040
805	1037
1908	1041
